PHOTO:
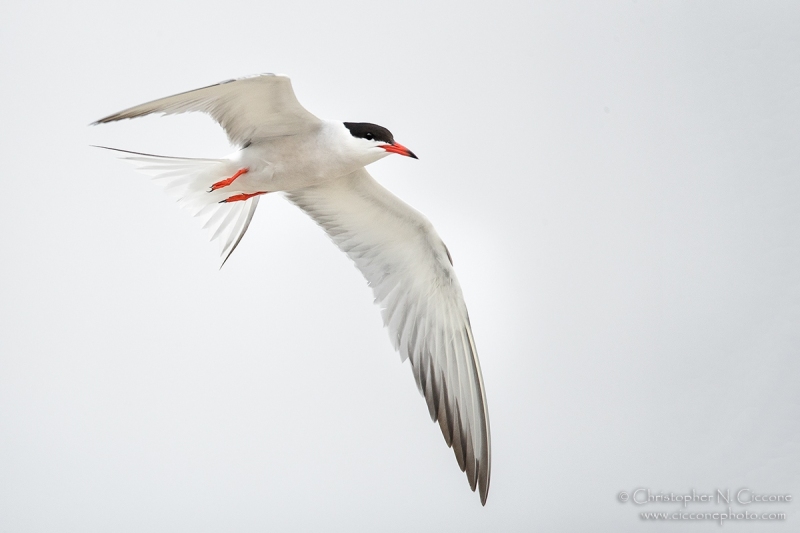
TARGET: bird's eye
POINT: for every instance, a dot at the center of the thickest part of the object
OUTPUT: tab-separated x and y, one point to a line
369	136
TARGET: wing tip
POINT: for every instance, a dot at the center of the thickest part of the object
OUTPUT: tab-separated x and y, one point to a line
124	115
484	492
110	118
484	477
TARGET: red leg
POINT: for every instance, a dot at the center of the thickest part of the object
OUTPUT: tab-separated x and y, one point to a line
242	197
228	181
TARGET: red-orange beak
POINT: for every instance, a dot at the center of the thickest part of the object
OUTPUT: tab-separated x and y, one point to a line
397	148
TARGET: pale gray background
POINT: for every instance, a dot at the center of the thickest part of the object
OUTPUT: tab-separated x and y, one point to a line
619	184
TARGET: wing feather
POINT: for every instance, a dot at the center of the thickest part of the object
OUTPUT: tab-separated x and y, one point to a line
412	278
249	109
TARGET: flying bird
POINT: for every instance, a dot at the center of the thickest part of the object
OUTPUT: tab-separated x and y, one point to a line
319	165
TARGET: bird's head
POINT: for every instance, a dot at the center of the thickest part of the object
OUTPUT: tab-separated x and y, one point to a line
376	140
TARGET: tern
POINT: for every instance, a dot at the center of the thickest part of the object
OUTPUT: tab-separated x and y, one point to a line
319	165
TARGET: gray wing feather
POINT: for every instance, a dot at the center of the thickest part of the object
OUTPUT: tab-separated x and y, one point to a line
412	278
249	109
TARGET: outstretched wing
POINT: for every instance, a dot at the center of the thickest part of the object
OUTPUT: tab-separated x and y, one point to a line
410	272
249	109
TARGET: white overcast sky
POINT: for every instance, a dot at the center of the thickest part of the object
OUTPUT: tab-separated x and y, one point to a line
618	183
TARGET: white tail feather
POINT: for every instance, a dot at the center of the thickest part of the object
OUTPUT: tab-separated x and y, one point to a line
190	180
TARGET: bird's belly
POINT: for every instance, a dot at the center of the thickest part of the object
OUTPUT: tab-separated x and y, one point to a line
284	164
281	175
292	179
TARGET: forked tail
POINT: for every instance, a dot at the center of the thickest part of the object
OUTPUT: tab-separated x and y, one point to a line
195	183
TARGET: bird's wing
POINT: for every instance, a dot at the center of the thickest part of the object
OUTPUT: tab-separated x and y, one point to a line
249	109
411	274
